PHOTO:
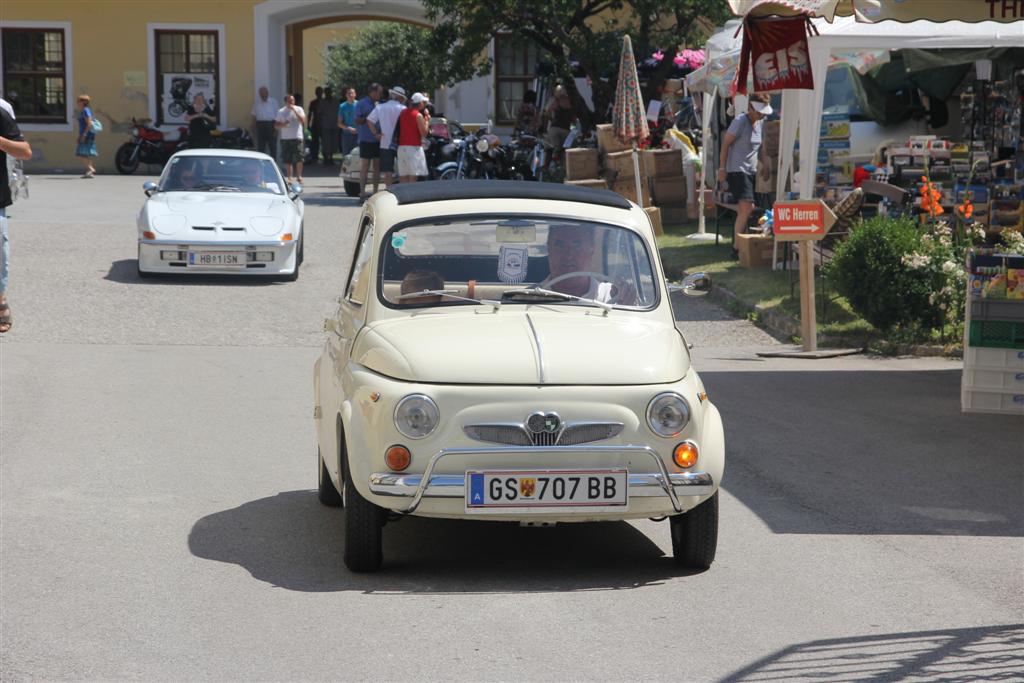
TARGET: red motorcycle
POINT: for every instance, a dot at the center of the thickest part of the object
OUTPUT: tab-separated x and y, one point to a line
148	146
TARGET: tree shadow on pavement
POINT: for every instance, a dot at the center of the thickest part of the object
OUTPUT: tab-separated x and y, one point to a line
987	653
290	540
125	271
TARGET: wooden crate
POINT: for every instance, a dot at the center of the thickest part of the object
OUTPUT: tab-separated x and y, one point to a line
755	250
675	214
627	188
662	163
582	164
606	140
620	163
671	190
654	213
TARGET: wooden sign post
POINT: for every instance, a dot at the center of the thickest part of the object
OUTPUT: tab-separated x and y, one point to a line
804	221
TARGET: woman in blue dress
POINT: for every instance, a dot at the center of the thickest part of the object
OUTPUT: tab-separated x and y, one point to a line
86	148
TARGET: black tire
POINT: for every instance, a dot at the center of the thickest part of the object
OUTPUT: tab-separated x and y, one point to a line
695	535
326	492
302	250
351	188
364	522
123	159
450	174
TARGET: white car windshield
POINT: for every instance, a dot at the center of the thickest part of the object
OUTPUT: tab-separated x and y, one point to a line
221	174
516	260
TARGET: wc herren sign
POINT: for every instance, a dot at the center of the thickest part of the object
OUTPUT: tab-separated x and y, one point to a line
801	219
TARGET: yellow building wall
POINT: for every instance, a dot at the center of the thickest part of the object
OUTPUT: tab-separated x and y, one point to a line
314	47
108	39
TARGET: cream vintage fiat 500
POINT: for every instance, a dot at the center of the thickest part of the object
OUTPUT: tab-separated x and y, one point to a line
506	351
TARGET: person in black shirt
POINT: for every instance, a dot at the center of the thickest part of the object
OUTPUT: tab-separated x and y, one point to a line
11	143
201	120
314	113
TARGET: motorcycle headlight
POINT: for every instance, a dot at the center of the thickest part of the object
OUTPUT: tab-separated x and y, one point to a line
416	416
668	414
481	146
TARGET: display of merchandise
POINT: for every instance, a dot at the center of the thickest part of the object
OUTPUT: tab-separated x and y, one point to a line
993	377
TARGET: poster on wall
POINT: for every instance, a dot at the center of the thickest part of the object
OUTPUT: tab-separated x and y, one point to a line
178	91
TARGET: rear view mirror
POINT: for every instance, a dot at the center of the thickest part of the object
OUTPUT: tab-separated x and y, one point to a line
695	284
149	187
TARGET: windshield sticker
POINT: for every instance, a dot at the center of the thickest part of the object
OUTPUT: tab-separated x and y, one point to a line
512	263
524	234
398	241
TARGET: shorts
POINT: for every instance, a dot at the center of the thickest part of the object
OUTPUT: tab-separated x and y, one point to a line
555	137
387	160
411	161
369	150
741	186
291	151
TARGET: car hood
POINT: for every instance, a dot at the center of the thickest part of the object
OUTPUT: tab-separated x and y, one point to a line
215	208
510	346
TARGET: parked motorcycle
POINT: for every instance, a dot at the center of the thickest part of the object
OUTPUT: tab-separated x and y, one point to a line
478	155
231	138
148	145
521	157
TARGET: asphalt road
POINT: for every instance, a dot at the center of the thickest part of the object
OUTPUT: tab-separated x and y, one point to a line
158	519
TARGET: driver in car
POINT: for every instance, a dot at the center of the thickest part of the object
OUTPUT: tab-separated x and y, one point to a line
571	251
252	175
189	176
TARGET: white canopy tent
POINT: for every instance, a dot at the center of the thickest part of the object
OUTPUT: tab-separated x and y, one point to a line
846	34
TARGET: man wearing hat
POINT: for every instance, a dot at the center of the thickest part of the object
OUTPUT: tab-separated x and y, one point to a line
412	128
741	147
382	122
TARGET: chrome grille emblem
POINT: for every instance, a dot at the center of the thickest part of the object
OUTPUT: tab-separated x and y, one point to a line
543	429
540	423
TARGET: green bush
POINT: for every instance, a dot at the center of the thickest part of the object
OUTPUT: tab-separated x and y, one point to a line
870	271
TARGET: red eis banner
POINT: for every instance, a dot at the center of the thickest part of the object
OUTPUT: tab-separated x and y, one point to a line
777	51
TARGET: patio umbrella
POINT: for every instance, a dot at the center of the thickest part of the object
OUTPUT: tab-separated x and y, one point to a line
629	120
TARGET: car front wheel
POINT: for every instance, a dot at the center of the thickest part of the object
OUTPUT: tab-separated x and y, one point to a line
695	535
364	524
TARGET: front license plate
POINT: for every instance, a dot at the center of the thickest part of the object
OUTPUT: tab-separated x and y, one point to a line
216	259
542	490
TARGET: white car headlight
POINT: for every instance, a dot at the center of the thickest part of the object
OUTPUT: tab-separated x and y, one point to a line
268	226
168	224
481	145
416	416
668	414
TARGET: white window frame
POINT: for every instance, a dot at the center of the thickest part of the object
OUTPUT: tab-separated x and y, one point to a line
69	98
222	79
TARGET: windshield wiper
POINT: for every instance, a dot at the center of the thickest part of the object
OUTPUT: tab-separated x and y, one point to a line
216	188
552	294
451	294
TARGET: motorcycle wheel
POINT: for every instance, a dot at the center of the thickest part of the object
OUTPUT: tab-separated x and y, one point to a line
450	174
351	188
126	160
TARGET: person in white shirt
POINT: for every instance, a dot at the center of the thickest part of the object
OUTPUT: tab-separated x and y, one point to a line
290	121
263	114
382	122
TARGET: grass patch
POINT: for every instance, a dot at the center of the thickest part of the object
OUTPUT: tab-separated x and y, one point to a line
775	290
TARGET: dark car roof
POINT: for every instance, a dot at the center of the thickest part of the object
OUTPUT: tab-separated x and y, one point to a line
444	190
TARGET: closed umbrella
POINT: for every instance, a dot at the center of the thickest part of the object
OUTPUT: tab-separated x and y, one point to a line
629	119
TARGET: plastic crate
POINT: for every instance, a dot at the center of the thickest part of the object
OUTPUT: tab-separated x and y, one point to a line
1004	402
981	379
999	334
997	309
994	359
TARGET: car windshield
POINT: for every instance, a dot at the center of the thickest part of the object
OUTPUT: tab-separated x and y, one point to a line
516	260
221	174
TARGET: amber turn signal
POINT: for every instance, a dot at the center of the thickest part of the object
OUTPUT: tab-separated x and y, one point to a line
149	235
685	454
398	458
287	237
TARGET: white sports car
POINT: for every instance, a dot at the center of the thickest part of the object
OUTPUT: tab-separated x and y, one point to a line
221	211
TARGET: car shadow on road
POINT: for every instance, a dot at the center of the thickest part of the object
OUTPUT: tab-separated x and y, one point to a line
125	271
290	540
987	653
868	452
337	200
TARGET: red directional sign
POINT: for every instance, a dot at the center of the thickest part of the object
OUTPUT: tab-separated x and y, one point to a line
801	219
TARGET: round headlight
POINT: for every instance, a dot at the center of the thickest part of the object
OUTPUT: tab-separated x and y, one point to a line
668	414
416	416
481	145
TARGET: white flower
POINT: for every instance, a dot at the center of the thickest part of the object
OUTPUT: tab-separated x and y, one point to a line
931	298
948	267
915	260
1013	240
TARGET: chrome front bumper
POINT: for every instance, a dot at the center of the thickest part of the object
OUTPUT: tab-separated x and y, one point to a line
429	485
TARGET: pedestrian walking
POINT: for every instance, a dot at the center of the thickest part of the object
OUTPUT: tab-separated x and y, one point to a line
11	142
561	115
314	114
290	121
85	149
201	122
412	128
741	147
328	128
347	122
264	112
382	121
369	146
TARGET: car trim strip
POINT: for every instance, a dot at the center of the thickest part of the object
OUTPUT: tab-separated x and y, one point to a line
540	353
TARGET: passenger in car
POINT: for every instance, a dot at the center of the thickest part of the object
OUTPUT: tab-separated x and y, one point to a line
418	281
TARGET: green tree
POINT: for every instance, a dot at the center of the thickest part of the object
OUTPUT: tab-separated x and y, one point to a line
587	31
390	53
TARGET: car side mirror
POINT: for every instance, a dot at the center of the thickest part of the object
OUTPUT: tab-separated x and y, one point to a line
695	284
149	188
296	190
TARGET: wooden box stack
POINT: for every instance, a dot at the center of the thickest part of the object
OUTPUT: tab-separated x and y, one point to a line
666	182
583	169
755	250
